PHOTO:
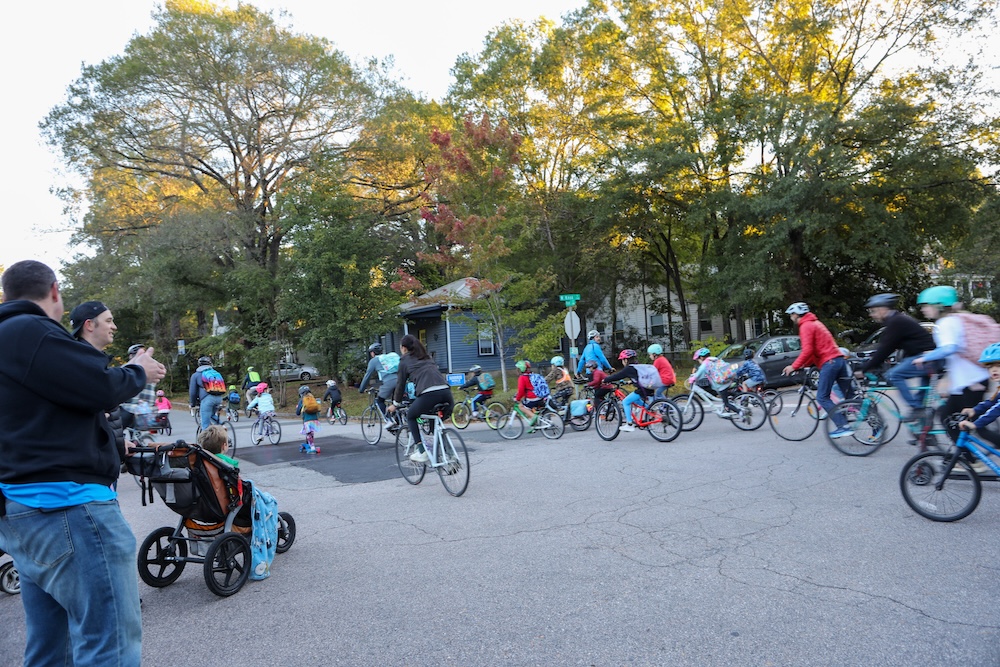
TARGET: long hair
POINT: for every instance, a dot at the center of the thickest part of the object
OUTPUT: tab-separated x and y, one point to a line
414	347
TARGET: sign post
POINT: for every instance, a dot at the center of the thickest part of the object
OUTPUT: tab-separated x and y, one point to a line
572	324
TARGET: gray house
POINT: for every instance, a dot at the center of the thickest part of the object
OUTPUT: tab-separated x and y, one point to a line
455	342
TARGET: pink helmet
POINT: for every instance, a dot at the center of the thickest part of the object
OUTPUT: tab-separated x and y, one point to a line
626	354
159	392
262	387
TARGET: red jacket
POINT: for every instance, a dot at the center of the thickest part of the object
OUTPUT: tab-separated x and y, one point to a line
818	345
666	371
524	388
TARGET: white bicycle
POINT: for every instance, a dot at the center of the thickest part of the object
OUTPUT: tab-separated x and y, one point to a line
751	408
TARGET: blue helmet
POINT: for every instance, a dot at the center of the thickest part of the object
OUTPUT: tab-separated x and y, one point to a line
558	361
702	352
939	295
991	355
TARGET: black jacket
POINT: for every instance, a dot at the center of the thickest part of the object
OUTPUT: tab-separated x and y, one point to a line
55	391
423	373
902	332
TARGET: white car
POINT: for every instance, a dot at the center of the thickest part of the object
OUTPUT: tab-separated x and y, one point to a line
291	371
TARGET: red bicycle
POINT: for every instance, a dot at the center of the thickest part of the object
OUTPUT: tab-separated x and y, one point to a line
660	417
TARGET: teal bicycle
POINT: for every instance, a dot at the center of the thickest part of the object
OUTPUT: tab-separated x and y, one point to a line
944	486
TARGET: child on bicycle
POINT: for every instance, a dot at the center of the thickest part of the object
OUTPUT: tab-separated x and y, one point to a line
719	374
751	371
234	398
163	405
597	381
264	403
987	411
525	391
332	396
666	371
640	395
562	379
215	439
484	382
308	408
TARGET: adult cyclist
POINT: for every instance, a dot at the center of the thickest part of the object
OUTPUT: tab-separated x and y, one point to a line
593	352
387	379
197	393
250	383
901	332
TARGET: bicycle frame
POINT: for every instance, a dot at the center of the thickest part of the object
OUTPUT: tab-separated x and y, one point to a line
975	446
539	420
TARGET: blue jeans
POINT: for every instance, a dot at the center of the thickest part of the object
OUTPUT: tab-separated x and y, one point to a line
209	406
627	404
832	371
79	583
904	370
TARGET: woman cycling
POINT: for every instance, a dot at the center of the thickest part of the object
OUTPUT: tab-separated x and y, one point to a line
431	388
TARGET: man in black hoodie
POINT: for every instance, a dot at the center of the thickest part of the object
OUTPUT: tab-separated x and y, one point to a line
901	332
59	516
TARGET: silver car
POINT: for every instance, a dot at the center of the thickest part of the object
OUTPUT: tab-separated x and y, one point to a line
290	371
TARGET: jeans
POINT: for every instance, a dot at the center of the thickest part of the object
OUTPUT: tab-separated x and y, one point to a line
209	406
477	399
79	583
628	402
904	370
832	371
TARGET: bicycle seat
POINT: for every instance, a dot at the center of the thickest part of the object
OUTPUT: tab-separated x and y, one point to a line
444	409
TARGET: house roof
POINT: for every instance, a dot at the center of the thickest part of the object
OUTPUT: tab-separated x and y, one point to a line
442	297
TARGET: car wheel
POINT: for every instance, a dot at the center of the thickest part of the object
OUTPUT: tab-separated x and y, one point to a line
305	377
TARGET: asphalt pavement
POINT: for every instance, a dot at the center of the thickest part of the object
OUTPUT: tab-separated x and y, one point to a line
720	548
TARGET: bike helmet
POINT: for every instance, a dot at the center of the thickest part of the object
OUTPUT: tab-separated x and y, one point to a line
249	368
262	387
748	353
232	387
655	348
885	300
134	349
476	369
523	365
991	355
557	361
939	295
593	333
205	361
797	308
376	348
590	365
702	353
159	392
626	354
304	389
331	383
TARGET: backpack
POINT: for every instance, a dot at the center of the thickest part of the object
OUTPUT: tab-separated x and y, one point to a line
486	381
649	376
309	404
721	373
212	380
390	364
979	331
539	385
263	534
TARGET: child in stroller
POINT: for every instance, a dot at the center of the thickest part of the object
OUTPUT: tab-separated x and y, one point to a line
226	524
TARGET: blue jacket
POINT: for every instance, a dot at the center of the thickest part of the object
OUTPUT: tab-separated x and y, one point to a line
593	352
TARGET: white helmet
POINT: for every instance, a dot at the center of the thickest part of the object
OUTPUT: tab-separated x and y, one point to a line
797	308
331	383
593	333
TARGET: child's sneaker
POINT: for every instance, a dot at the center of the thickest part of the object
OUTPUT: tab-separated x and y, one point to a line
628	428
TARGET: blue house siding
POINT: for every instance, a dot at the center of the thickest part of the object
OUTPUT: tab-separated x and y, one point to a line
433	330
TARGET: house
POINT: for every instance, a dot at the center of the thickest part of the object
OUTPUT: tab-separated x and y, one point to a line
438	320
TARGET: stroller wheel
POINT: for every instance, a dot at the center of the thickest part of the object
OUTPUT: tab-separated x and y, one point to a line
227	564
286	532
161	559
10	580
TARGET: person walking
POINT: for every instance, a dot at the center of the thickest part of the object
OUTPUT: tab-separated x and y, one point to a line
59	515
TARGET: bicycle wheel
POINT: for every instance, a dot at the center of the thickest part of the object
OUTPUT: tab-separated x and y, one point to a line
494	411
692	411
511	427
232	439
769	396
866	424
671	422
273	431
234	415
553	427
608	420
888	409
933	496
461	415
797	417
342	415
371	425
453	459
411	471
582	422
751	411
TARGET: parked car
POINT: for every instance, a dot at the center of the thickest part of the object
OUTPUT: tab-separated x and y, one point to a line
772	353
870	344
290	371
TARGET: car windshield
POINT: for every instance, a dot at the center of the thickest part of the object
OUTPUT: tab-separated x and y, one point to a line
736	350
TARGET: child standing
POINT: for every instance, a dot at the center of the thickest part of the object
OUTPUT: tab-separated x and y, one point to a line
308	407
215	439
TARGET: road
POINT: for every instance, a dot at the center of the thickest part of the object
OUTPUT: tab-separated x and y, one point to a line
721	548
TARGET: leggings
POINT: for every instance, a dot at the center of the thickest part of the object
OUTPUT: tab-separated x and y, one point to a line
423	404
967	399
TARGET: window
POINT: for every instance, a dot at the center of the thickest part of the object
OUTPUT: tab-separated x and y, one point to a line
656	326
704	325
486	341
422	336
793	344
601	326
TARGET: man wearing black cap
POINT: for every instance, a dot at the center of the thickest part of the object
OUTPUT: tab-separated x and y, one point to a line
59	516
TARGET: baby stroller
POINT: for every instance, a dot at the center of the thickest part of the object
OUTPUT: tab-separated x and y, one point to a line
216	529
10	580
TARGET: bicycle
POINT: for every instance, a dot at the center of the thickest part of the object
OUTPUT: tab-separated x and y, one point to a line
266	427
232	413
372	419
751	410
661	417
336	413
511	426
446	452
461	416
581	422
943	486
217	418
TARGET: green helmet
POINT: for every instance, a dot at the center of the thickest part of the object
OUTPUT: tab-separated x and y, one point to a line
522	366
939	295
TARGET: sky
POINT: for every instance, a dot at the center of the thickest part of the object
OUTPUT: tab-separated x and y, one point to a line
46	43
